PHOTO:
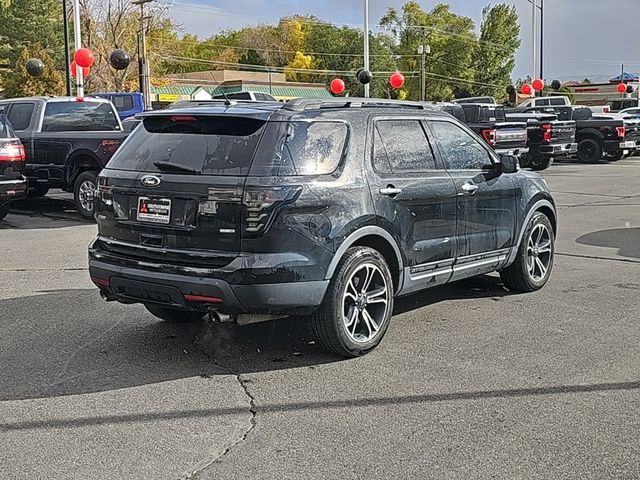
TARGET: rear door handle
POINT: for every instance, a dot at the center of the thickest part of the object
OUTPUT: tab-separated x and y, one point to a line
469	188
390	191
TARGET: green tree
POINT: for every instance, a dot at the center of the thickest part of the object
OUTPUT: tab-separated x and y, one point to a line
496	51
452	41
18	83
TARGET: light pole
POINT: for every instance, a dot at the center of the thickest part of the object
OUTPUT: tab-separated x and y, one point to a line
534	39
78	45
144	71
366	44
67	58
541	38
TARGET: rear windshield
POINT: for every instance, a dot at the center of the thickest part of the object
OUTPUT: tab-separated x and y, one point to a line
226	145
84	116
207	144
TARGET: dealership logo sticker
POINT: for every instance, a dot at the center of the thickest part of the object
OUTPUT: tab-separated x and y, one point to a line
150	181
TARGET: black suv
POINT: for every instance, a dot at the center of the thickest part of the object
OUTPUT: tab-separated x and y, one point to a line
326	208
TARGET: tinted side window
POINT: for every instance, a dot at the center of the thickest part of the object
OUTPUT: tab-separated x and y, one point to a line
20	115
82	116
460	150
556	101
122	103
406	144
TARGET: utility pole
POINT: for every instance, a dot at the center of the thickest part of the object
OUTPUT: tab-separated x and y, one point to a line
534	42
143	64
541	40
423	78
78	45
67	57
366	44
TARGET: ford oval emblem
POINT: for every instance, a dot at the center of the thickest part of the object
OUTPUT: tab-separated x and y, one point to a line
150	181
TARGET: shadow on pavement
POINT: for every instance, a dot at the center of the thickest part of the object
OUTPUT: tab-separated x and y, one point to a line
626	240
71	342
56	210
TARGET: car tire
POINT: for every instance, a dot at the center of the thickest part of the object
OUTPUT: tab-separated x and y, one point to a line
358	304
4	211
173	315
540	163
534	261
589	151
39	191
84	191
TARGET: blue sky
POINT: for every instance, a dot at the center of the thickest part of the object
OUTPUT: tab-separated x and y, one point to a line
584	38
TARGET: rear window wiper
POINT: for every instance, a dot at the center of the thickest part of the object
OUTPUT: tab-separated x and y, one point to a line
176	167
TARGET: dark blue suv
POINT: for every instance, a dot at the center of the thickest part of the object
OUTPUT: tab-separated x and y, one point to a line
319	208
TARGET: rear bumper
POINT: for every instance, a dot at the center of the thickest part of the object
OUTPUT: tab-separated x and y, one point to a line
512	151
12	190
629	144
131	285
559	149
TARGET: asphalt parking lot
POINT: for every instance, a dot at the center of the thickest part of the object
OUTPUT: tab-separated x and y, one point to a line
470	382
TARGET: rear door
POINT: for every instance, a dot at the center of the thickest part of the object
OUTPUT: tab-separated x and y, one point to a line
174	190
414	199
486	202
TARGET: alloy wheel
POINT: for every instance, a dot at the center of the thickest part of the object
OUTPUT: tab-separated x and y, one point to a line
86	194
365	302
539	252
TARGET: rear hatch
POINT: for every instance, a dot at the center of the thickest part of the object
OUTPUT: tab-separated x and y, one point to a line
562	132
174	190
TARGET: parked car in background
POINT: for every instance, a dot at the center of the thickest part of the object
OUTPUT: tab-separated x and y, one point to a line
127	104
485	100
253	96
13	184
67	142
548	138
128	124
621	104
596	136
321	208
556	100
631	112
490	123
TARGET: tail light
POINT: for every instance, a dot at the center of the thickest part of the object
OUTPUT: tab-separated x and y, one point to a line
110	146
606	110
262	204
546	133
12	152
489	136
621	131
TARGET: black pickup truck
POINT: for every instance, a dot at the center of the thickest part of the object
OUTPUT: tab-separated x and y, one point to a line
489	122
548	138
596	136
67	142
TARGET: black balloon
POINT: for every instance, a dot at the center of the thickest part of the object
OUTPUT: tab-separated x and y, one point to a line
511	89
556	85
630	89
364	76
35	67
119	59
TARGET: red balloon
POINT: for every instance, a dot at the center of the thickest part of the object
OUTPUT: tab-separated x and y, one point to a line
526	89
396	80
74	70
622	88
337	86
84	57
537	85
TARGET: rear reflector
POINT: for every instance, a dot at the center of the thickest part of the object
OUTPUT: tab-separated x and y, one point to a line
202	299
101	282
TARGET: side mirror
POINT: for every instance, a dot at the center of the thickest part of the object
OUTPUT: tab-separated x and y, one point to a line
509	164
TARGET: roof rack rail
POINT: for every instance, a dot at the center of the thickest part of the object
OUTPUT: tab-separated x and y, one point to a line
301	104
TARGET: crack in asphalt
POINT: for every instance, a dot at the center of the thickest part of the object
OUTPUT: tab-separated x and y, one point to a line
598	203
243	382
